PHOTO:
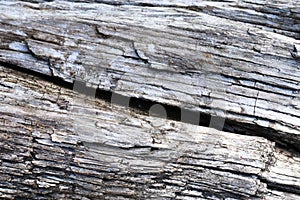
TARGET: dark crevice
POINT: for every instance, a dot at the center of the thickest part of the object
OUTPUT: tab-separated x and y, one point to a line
142	106
140	147
7	86
55	80
282	188
295	53
102	35
175	113
139	57
136	58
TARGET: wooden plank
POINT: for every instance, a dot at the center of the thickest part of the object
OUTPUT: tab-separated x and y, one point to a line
234	59
56	143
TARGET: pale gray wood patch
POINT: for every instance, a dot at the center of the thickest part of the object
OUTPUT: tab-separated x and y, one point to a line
91	150
235	59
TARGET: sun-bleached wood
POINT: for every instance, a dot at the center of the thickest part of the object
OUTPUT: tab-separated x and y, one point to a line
234	59
237	59
56	143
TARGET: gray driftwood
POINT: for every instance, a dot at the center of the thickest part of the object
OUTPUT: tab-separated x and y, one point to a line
233	59
56	143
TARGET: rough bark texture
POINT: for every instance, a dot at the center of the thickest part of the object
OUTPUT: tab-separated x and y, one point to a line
56	143
235	59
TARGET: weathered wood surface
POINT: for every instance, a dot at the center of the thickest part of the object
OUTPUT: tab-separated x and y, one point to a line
56	143
236	59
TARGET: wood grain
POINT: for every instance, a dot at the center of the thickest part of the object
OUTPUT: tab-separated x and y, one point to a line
234	59
90	149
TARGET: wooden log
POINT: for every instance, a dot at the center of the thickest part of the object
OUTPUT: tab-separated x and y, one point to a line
233	59
237	60
89	149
